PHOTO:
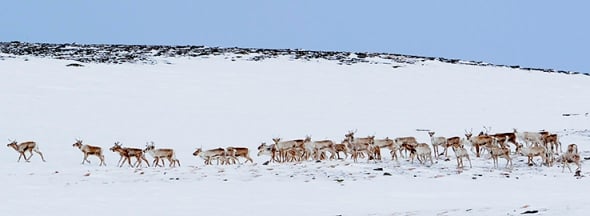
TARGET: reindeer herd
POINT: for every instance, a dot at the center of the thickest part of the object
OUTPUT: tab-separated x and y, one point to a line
507	146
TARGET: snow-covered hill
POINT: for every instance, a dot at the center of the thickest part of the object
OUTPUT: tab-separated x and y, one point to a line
190	97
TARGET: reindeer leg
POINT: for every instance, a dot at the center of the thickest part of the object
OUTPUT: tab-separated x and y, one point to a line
129	161
85	158
144	159
120	159
101	157
40	154
30	156
20	156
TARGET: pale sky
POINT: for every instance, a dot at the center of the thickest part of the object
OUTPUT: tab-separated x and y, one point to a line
529	33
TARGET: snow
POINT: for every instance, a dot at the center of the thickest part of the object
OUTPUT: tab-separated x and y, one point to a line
214	102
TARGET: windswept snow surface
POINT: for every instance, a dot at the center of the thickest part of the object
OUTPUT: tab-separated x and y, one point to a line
211	101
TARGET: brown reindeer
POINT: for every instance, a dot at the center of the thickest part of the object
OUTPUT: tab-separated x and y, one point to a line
127	153
341	147
479	141
89	150
23	147
400	141
551	141
451	142
239	152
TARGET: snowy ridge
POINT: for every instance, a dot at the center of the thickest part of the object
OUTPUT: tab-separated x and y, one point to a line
117	54
209	101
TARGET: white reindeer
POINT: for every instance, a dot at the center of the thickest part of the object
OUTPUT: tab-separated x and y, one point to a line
160	154
436	142
460	153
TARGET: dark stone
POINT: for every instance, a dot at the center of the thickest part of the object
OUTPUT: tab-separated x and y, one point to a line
74	65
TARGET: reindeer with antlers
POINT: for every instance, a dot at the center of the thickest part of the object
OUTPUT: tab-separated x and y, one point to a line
23	147
160	154
89	150
127	153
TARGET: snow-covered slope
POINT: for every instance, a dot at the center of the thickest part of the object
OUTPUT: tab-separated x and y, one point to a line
241	99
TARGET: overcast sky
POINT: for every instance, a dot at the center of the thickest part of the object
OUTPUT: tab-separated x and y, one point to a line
530	33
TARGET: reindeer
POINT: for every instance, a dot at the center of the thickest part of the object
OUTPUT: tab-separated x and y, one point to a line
360	145
460	153
208	155
500	152
127	153
239	152
350	137
503	138
284	148
341	147
552	142
399	141
436	142
387	144
534	151
23	147
479	140
320	146
530	137
450	142
421	151
89	150
570	157
270	150
160	154
357	149
572	148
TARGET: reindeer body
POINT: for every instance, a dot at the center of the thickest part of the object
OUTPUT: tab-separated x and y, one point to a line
461	153
160	154
90	150
240	152
127	153
218	153
23	147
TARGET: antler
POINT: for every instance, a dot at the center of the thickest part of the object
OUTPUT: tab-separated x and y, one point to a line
487	129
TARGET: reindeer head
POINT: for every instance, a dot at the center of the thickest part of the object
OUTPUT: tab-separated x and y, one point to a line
468	134
276	140
116	147
431	133
307	139
487	130
12	143
197	152
262	146
78	143
149	147
350	134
